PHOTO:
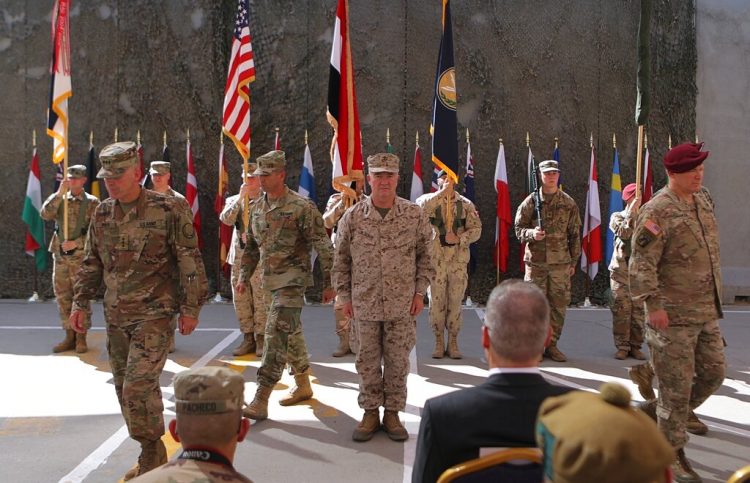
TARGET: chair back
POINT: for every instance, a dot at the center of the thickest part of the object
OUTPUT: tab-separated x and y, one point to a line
510	465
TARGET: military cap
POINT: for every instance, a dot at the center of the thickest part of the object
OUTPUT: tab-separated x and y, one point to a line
208	390
270	162
589	437
549	165
160	167
77	171
116	159
382	163
251	168
684	157
628	192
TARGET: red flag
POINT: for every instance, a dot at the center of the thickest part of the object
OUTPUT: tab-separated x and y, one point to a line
591	244
277	142
191	194
236	117
648	181
417	187
141	162
225	231
503	217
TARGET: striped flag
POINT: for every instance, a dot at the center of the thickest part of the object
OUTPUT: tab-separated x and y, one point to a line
503	216
307	177
191	193
417	188
444	124
342	107
615	205
60	88
236	112
591	243
35	245
434	181
648	181
92	183
225	231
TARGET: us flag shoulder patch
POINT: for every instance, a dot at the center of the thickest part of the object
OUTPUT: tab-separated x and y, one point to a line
652	227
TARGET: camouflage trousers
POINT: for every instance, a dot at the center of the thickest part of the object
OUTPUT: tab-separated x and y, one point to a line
554	280
63	278
627	317
688	360
250	306
284	342
382	362
137	354
344	323
446	295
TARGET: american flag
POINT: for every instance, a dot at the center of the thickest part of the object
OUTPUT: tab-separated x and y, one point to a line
236	120
191	193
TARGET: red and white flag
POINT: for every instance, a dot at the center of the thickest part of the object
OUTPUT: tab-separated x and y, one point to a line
225	231
591	244
236	113
417	187
60	88
141	160
191	194
648	181
503	217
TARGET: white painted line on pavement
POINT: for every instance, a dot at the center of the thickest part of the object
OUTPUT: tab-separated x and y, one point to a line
100	454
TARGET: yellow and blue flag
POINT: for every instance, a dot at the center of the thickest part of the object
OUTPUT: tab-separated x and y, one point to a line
444	123
615	205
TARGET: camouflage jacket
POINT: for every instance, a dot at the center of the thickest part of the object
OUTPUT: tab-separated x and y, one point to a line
466	225
562	225
334	211
181	200
148	259
382	262
282	233
192	471
52	209
675	263
621	223
232	215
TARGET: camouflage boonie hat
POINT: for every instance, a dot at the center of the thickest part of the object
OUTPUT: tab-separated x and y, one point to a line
251	168
116	159
76	171
549	165
382	163
208	390
160	167
270	162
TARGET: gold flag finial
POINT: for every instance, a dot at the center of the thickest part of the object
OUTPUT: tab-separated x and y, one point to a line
614	140
115	134
165	137
696	138
388	136
188	134
669	142
138	137
591	140
557	142
501	141
33	138
417	138
528	139
467	135
305	137
91	138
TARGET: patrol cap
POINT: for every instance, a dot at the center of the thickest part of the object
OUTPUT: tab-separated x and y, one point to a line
549	165
588	437
382	163
76	171
208	390
251	168
116	159
270	162
628	192
684	157
160	167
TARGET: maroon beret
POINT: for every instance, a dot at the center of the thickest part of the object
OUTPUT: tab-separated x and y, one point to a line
684	157
628	192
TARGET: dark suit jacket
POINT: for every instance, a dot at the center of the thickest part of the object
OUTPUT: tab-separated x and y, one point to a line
501	412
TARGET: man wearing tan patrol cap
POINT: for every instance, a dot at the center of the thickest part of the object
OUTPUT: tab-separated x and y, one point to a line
68	253
144	248
208	424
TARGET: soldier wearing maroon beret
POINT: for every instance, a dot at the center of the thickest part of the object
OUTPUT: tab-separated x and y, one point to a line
675	272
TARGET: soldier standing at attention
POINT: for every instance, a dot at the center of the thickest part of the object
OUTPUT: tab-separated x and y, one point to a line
675	271
335	209
68	254
284	226
552	251
627	318
450	256
144	248
251	305
381	270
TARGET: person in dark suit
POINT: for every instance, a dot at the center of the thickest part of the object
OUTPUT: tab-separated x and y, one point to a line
502	411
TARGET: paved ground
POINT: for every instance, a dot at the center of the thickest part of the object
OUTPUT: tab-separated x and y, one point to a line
59	418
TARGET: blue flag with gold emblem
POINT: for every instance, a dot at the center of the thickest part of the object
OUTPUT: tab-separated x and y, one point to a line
615	205
444	124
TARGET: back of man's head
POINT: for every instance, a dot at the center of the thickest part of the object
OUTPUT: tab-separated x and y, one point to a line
517	319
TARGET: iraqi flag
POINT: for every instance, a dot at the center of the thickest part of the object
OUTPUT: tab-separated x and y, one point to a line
417	188
32	206
591	243
503	216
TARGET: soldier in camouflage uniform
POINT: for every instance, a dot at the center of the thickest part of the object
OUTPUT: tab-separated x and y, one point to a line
144	248
551	251
381	271
68	254
250	306
627	318
335	209
450	256
675	272
284	227
208	424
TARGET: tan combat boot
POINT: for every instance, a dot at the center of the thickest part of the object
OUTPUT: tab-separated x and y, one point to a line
368	426
642	376
621	354
343	348
637	354
453	351
258	409
392	425
68	343
695	425
247	346
153	454
302	391
259	339
682	472
439	351
555	354
81	346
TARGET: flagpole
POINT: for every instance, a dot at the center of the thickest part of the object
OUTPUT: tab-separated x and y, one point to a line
639	164
115	134
35	296
65	180
219	274
587	300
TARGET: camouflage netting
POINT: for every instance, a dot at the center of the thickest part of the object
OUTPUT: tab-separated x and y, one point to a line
555	68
